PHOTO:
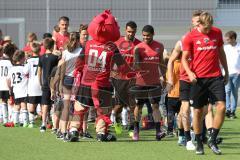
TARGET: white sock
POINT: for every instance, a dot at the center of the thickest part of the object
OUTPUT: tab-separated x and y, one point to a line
25	116
124	116
16	117
31	117
113	117
5	112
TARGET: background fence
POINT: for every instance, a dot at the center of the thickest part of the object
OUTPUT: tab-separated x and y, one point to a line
171	18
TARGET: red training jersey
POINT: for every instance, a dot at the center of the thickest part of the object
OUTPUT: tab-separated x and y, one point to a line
205	52
98	60
61	40
149	55
126	49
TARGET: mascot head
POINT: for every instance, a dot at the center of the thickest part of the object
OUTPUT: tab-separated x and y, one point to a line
104	28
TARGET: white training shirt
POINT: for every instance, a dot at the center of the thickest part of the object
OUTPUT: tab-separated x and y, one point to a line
34	87
5	66
19	81
70	60
233	58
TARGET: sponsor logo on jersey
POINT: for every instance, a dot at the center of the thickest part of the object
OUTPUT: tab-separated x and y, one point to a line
206	48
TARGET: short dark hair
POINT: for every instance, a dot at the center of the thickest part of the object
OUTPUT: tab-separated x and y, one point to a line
47	35
131	24
231	34
48	43
9	49
64	18
18	56
83	27
36	47
148	28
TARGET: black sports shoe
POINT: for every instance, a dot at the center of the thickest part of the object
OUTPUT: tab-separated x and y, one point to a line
86	135
59	135
219	140
66	137
160	135
43	129
213	146
54	131
106	137
73	136
227	114
233	115
199	149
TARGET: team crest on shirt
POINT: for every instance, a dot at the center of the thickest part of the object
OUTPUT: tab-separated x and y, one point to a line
206	40
198	42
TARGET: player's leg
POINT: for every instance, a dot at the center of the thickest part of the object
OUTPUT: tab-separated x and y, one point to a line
216	87
45	105
4	95
16	112
24	110
103	104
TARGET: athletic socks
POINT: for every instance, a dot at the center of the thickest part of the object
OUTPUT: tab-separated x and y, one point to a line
24	116
5	112
124	116
198	139
31	117
187	135
214	133
136	126
158	127
209	130
16	117
181	132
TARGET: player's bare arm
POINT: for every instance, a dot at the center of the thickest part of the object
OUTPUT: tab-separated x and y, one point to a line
175	54
191	75
40	75
223	61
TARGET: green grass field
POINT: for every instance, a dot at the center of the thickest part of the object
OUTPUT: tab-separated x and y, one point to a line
30	144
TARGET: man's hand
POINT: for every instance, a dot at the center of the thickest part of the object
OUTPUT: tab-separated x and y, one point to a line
192	77
226	77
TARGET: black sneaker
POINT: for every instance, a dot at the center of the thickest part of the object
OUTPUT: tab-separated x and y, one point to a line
66	137
160	135
43	129
59	135
219	140
54	131
169	134
233	115
227	114
86	135
199	149
213	146
73	136
106	137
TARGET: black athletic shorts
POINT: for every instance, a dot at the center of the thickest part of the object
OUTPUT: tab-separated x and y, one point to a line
17	101
122	94
34	99
207	89
85	96
4	95
184	90
46	97
101	96
144	94
173	104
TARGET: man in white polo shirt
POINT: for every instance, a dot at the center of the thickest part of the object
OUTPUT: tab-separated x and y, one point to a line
232	50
